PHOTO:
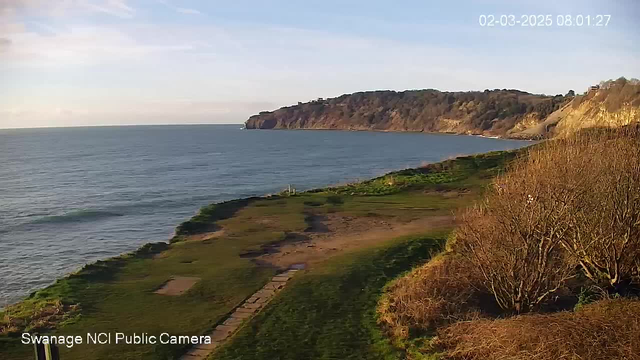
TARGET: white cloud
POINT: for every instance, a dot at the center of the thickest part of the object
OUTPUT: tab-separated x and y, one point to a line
57	8
76	45
112	7
4	44
188	11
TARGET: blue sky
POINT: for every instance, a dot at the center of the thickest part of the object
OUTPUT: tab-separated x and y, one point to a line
108	62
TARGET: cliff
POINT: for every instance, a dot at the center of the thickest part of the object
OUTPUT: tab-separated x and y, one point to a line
503	113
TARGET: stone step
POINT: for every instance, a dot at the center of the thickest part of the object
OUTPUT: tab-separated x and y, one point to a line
218	336
252	306
231	321
240	315
226	328
274	286
265	293
245	311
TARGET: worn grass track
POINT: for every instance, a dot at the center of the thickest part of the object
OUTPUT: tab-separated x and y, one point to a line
329	311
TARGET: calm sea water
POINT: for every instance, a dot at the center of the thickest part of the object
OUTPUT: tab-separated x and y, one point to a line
72	196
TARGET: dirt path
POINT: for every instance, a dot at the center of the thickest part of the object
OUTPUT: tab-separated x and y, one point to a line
332	234
327	235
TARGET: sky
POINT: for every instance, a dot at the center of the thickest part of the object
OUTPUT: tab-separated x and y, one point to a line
125	62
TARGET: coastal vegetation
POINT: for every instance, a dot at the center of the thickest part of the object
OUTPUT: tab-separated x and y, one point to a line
498	112
546	265
442	173
414	110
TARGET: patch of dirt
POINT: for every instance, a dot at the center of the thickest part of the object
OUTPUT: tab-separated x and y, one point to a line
204	237
446	193
338	233
272	248
316	224
177	285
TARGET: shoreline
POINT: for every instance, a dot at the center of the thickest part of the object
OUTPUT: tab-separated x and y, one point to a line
233	248
496	137
172	238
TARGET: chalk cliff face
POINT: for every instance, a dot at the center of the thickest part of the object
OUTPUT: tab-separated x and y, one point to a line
594	113
503	113
615	104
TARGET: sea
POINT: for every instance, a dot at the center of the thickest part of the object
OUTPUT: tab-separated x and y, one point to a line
71	196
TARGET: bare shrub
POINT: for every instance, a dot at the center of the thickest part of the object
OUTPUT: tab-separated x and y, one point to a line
595	175
436	293
513	239
608	329
569	201
604	234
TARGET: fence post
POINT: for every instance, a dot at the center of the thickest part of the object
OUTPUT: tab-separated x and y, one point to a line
46	352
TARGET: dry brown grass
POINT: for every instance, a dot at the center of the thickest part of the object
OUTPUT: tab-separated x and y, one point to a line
514	237
609	329
439	292
567	205
43	315
570	201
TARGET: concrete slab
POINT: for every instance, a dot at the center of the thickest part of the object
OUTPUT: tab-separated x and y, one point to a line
177	285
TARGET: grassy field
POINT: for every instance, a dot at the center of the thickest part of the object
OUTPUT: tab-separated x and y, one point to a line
118	294
329	312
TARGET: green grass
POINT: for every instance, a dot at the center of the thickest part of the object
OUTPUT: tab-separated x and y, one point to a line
329	312
117	294
207	217
452	172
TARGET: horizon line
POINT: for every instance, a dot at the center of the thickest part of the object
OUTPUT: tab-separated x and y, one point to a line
115	125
